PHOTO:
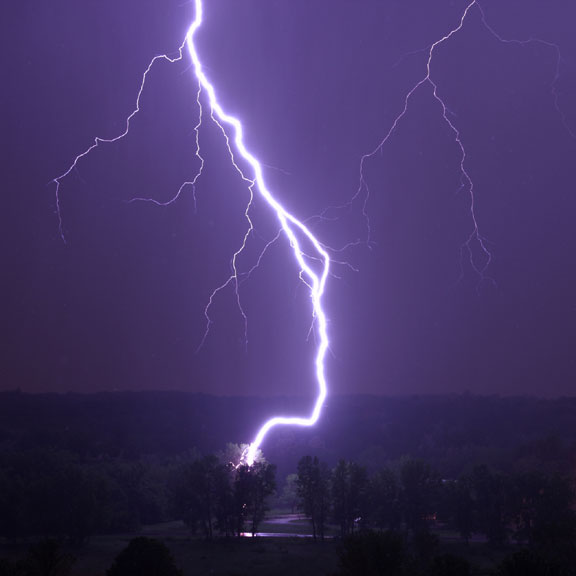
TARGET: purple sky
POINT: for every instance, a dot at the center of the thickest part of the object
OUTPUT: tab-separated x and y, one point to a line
317	85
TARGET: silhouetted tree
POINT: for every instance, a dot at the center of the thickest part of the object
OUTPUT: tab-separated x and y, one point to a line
224	505
368	553
425	545
419	490
349	495
289	495
195	493
527	563
209	495
11	568
384	500
449	565
464	513
314	491
144	557
456	506
46	558
46	493
491	503
252	485
542	508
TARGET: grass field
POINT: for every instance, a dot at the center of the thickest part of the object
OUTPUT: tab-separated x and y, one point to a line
232	557
289	552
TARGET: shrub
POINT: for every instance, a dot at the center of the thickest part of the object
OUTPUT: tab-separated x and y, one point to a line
144	557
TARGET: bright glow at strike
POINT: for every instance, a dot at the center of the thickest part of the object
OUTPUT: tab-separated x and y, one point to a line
295	230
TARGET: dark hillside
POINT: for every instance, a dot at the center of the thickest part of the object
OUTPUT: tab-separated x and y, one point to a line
453	432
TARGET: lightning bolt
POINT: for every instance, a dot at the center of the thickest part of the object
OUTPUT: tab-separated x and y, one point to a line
294	229
475	241
466	180
314	268
314	263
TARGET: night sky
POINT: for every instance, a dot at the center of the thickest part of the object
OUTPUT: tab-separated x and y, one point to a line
317	84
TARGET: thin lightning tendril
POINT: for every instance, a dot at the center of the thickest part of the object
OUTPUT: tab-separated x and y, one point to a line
548	44
97	141
474	237
197	153
295	230
363	187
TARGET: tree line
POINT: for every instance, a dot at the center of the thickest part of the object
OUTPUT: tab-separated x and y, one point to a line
449	431
396	511
214	496
54	493
389	521
57	494
531	507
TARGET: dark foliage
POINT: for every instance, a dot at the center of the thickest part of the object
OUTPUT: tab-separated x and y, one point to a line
211	496
373	554
420	488
54	494
536	509
349	495
313	484
46	493
384	504
528	563
252	486
449	565
72	466
10	568
453	432
200	488
46	558
144	557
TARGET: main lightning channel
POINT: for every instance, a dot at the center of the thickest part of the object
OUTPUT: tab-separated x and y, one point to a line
292	227
295	229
